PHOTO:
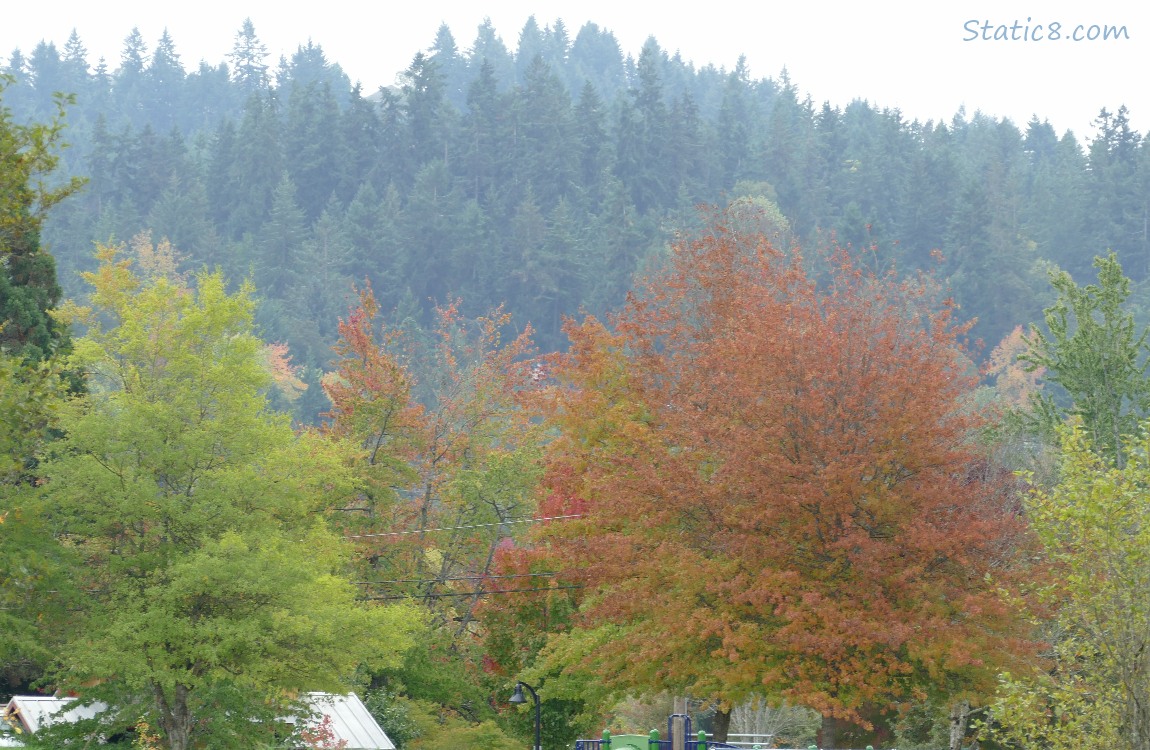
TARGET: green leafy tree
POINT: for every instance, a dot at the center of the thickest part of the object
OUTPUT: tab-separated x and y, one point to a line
1095	353
28	289
33	577
1092	526
214	588
31	388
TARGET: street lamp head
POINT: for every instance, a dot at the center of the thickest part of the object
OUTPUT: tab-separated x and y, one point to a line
517	696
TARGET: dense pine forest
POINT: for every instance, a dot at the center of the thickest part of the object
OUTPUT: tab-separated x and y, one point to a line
546	175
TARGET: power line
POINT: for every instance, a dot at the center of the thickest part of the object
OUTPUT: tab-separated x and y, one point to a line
470	593
460	528
454	578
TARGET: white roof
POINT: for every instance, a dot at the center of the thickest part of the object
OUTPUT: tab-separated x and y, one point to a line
350	721
37	711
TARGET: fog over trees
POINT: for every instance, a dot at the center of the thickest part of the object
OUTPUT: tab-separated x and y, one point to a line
545	173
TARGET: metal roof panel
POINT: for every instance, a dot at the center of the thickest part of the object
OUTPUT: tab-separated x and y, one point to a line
37	711
351	721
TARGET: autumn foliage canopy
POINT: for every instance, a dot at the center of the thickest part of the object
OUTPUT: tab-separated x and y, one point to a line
780	486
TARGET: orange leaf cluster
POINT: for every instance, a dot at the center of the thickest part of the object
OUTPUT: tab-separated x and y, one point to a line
1015	385
371	392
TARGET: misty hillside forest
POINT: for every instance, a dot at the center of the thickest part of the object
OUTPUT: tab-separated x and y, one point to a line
649	387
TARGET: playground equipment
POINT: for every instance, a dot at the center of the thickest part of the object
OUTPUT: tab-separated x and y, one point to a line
680	722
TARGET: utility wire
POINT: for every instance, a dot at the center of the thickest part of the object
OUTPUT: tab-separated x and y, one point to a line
459	528
454	578
470	593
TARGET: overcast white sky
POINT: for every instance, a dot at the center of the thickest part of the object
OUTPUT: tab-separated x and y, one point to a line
919	57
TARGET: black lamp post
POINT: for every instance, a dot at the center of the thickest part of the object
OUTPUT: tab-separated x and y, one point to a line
517	697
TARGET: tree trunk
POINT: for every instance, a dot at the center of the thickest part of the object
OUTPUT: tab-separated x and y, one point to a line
721	724
175	717
1139	711
827	738
959	717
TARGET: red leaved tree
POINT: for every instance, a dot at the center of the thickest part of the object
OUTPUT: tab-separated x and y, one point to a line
781	486
321	736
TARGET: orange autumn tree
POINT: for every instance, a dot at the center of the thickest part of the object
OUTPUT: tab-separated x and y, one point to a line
780	489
